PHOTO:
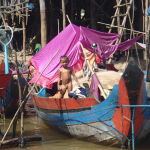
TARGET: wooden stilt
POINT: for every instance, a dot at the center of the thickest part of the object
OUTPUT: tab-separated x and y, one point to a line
24	39
43	22
64	13
114	26
148	54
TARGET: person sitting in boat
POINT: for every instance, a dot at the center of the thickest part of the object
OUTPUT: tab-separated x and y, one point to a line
65	73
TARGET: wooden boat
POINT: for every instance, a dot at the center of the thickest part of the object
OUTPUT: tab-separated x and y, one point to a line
106	122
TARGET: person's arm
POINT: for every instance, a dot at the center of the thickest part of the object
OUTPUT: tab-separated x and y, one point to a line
74	76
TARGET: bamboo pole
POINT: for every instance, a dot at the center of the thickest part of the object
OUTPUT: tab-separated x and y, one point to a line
20	100
64	13
113	20
24	38
18	8
43	23
147	29
90	68
58	30
22	129
68	19
118	18
143	17
132	33
124	20
138	32
148	56
26	12
146	18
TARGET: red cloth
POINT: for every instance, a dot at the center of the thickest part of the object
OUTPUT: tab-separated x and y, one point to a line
4	80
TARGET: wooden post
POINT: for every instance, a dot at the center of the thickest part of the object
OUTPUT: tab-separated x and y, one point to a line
24	38
146	18
118	18
20	95
64	13
147	28
68	19
90	68
20	101
43	23
58	30
148	56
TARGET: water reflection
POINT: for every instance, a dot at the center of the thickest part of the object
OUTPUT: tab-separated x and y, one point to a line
53	139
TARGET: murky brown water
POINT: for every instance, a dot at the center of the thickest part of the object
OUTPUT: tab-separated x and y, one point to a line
53	140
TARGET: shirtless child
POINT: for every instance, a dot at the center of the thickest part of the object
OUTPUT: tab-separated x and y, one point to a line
65	81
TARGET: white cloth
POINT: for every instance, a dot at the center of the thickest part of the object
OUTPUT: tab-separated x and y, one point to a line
142	45
77	92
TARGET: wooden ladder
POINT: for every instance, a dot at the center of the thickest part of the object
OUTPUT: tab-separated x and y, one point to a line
122	5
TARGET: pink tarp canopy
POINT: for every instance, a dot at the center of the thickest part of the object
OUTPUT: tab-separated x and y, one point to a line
67	42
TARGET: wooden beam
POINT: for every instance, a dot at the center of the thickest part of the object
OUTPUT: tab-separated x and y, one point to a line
119	15
43	22
139	32
121	5
64	13
148	56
